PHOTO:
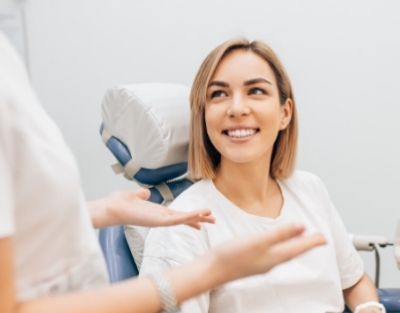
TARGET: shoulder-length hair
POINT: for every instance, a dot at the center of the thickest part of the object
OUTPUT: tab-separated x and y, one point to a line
203	157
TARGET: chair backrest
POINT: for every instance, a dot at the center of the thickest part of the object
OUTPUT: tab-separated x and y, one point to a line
146	127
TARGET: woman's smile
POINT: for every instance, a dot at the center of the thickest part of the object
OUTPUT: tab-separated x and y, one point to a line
240	133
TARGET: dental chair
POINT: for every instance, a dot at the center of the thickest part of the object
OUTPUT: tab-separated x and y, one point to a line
146	127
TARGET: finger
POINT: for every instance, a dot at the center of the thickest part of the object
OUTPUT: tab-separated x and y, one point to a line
283	233
194	225
205	219
203	215
203	212
142	193
189	218
294	247
200	219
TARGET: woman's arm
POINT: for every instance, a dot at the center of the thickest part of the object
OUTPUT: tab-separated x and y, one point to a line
363	291
130	207
236	259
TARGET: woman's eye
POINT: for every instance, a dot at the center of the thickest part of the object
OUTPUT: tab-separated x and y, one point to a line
257	91
217	94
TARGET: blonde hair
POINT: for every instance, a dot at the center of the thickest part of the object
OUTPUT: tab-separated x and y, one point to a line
203	157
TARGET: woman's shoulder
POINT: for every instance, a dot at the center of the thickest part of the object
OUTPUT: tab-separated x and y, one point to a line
304	176
303	180
194	197
306	187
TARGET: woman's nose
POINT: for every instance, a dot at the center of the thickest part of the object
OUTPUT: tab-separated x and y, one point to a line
238	107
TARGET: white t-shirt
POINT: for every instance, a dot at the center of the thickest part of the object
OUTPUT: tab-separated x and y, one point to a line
312	282
41	201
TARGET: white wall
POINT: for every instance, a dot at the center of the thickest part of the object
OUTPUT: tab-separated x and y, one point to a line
343	58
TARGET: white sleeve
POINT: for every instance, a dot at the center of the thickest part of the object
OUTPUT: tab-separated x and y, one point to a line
170	247
10	70
6	183
349	262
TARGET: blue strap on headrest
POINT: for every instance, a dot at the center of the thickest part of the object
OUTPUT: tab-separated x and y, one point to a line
176	188
144	175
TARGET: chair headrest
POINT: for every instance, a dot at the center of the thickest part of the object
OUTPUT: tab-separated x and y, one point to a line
146	126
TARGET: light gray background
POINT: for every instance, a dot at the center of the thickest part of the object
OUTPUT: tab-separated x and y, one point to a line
343	58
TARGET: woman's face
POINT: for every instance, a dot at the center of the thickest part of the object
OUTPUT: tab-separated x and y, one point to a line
243	114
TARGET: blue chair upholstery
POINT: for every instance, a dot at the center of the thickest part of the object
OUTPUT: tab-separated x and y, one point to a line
144	175
390	298
119	260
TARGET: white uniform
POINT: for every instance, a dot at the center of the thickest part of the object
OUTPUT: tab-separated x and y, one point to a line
312	282
41	201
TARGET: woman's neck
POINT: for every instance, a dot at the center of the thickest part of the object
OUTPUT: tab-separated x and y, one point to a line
250	187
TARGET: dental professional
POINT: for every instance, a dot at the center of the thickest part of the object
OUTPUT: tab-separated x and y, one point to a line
50	259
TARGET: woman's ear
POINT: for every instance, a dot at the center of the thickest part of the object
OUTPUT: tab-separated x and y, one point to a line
286	110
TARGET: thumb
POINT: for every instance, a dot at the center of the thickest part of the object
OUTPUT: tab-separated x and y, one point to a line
142	193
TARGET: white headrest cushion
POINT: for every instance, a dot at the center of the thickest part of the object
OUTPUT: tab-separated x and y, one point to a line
152	120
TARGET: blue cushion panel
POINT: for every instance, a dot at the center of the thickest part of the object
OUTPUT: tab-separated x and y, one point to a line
119	260
390	298
162	174
144	175
119	150
176	189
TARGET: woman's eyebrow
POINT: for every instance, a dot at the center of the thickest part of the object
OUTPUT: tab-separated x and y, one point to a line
218	83
256	81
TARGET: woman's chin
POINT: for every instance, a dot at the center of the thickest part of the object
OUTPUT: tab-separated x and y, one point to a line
241	159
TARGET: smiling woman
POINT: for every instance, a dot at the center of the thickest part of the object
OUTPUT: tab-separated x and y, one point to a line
257	71
243	120
243	140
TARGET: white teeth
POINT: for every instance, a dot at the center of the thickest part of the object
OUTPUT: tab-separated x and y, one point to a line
240	133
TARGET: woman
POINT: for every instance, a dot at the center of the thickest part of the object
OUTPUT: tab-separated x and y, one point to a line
242	153
49	254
